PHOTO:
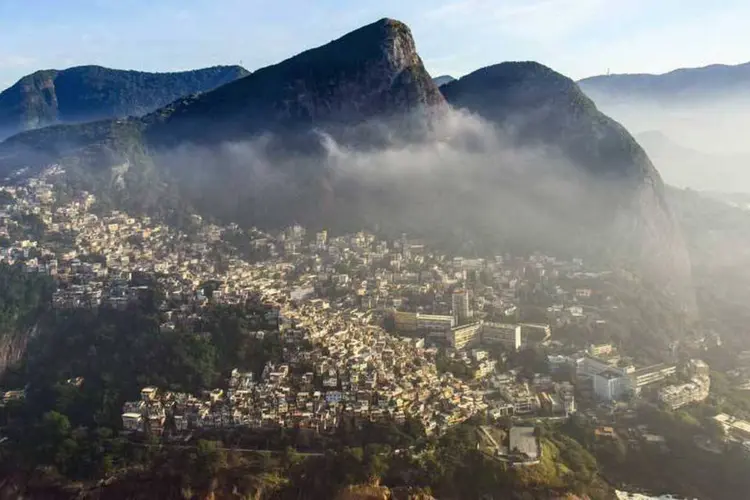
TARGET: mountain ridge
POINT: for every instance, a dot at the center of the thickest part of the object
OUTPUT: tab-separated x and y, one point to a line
88	93
707	108
705	82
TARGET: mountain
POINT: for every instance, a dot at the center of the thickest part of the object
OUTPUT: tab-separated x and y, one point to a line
355	134
374	71
542	109
716	80
87	93
442	80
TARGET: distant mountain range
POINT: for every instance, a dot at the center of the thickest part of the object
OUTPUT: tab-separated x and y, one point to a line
356	133
87	93
694	120
709	82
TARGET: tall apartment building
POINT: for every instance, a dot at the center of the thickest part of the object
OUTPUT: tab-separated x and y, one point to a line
405	248
461	308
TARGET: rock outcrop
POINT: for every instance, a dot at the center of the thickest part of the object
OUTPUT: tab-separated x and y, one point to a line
13	347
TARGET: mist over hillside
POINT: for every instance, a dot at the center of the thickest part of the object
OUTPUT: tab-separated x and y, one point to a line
463	180
687	167
695	118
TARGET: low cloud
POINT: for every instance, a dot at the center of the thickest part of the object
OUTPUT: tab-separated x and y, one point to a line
458	179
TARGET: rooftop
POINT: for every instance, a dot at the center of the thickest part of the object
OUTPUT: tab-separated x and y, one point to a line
523	440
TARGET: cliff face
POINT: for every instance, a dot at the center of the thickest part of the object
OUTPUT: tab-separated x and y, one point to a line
89	93
13	347
29	104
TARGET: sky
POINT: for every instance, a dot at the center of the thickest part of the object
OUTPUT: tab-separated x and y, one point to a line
578	38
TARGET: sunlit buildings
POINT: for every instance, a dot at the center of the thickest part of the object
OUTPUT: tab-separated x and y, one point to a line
461	337
485	333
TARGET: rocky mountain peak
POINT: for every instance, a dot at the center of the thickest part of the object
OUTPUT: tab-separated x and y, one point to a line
398	44
370	72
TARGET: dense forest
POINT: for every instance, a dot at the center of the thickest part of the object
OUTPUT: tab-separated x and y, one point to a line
397	456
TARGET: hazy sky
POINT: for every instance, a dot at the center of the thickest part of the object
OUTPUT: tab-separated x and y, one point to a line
576	37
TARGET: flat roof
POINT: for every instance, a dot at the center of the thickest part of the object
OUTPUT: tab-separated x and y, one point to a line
523	439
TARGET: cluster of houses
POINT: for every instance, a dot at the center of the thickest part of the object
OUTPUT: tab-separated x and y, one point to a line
357	371
362	319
